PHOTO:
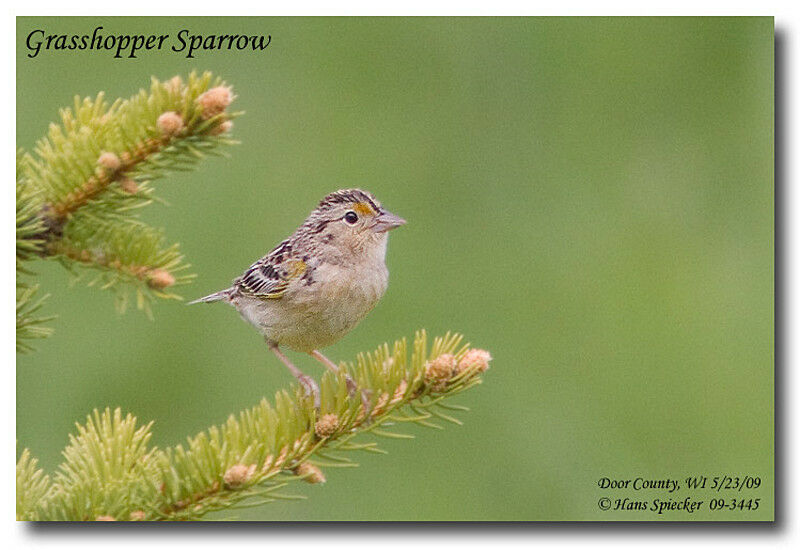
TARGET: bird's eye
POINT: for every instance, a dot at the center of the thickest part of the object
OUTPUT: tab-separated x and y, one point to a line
351	217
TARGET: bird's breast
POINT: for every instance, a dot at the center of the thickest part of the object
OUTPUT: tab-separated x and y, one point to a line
353	290
317	312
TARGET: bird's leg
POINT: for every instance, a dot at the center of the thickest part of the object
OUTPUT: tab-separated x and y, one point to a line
307	382
351	384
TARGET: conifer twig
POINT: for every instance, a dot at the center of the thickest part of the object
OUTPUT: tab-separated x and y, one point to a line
111	473
79	190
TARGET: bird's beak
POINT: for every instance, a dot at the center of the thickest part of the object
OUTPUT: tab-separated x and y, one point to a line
386	221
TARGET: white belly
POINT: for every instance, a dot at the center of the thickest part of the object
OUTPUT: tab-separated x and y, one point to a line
309	317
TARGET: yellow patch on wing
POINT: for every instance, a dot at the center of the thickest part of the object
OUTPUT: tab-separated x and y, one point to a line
364	209
295	269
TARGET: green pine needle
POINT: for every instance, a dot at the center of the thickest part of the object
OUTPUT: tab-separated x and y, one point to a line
67	158
29	324
110	472
80	190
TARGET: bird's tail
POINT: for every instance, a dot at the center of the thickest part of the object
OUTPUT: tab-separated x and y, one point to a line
216	297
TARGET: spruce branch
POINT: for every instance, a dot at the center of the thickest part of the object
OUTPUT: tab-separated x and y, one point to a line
99	144
80	190
33	485
123	253
30	226
29	324
110	472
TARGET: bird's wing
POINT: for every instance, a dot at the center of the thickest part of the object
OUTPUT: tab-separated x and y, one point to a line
269	277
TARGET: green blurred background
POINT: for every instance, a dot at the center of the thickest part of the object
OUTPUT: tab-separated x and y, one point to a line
589	199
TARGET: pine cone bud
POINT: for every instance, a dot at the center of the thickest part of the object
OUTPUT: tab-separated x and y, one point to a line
326	426
441	368
160	278
170	123
138	515
310	473
214	101
475	359
129	186
105	518
109	161
238	474
222	128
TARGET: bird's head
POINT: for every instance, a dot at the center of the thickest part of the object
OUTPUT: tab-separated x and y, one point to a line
352	221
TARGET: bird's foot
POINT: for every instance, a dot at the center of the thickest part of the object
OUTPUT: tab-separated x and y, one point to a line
366	396
311	389
352	387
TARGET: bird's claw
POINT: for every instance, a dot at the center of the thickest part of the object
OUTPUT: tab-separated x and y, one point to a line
351	385
311	389
366	395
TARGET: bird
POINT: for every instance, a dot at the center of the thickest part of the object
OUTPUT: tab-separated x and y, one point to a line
318	284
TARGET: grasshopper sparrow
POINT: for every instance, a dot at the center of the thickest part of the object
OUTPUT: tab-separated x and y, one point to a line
315	286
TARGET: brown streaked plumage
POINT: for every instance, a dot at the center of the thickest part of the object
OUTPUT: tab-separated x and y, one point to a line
315	286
